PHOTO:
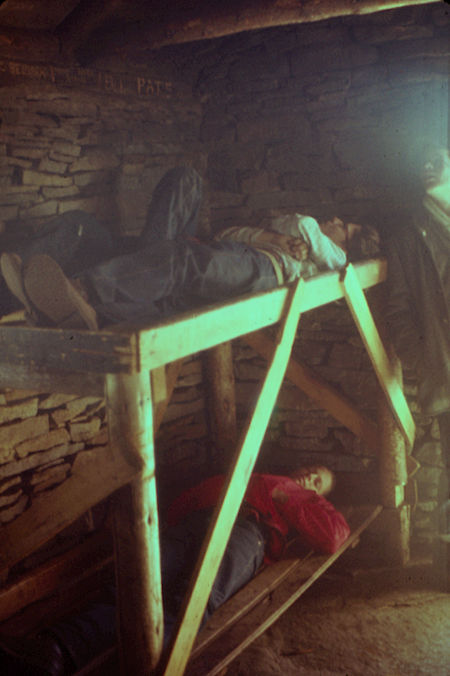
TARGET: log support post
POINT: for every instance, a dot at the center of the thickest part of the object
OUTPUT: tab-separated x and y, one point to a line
220	395
393	477
136	534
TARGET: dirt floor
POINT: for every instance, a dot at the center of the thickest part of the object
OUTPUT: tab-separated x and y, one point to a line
378	623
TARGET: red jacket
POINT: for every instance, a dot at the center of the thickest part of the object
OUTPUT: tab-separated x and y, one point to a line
279	503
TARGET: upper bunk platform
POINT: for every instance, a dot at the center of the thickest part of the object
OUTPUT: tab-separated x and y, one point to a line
130	349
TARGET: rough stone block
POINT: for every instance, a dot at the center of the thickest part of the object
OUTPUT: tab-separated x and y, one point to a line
70	149
42	442
429	453
43	209
52	167
10	483
39	459
179	410
60	193
31	177
9	498
72	409
26	409
11	435
29	153
16	510
95	160
9	212
89	204
55	400
85	431
91	178
50	477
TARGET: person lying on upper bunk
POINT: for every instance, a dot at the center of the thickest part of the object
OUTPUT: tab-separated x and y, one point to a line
274	508
168	269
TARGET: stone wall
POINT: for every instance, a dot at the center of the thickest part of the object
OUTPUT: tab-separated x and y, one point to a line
63	149
328	118
318	118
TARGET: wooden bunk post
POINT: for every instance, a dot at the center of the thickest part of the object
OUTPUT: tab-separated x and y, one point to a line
136	535
221	401
395	519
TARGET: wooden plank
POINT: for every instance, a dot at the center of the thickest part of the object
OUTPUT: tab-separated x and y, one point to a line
81	561
159	386
122	350
250	596
193	332
385	373
233	491
223	651
172	373
340	407
21	376
95	475
136	533
68	350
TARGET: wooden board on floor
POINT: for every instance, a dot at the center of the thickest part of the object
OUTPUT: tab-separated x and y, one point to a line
230	630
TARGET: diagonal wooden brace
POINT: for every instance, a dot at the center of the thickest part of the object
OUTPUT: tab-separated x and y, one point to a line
233	492
387	378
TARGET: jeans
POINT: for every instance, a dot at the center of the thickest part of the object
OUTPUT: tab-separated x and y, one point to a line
75	240
169	271
163	271
93	630
175	275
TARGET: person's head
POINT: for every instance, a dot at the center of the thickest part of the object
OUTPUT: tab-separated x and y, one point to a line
315	478
358	241
435	169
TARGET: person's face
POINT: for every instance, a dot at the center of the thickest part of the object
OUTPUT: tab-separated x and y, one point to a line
436	168
339	232
317	479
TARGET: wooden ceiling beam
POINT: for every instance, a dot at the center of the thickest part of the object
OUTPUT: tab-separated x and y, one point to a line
214	20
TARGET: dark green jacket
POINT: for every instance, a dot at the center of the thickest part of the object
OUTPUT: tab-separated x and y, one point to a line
418	307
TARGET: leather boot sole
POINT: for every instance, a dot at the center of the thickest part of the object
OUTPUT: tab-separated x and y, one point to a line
11	268
54	295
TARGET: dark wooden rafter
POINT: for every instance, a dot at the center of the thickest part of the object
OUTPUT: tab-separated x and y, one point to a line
111	25
218	19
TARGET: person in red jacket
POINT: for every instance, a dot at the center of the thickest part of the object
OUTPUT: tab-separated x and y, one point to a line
274	508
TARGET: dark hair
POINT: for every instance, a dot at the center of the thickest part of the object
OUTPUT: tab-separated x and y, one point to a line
365	243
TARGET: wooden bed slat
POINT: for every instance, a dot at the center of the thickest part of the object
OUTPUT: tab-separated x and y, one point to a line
274	602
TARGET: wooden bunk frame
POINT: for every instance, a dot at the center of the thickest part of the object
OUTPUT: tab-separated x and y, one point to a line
117	362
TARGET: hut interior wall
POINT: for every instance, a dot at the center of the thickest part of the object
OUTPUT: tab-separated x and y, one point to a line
316	117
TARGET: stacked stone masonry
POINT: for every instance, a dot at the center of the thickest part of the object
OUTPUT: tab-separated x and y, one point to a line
315	118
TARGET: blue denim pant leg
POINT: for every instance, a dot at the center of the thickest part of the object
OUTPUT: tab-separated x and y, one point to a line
93	630
175	275
75	240
174	207
243	556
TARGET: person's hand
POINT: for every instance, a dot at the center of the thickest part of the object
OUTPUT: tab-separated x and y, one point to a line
296	247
